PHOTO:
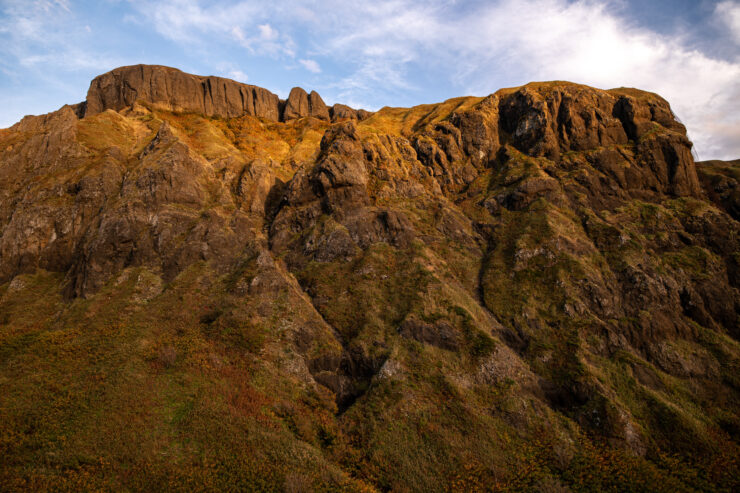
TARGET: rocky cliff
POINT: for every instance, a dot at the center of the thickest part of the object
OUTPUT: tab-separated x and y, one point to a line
533	290
172	89
721	181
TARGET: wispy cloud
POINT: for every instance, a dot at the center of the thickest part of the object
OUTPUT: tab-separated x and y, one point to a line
311	65
238	75
266	40
191	22
728	13
185	20
44	34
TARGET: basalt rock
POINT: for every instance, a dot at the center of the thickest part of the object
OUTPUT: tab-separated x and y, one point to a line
721	181
176	90
340	112
300	104
211	96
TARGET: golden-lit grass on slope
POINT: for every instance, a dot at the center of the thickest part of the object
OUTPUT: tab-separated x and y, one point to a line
228	144
214	138
634	93
247	139
406	121
9	138
543	87
108	129
200	134
285	143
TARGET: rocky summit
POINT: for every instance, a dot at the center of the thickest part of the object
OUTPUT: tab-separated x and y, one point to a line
171	89
207	288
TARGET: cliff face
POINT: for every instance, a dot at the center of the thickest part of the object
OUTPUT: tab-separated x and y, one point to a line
721	181
209	96
530	290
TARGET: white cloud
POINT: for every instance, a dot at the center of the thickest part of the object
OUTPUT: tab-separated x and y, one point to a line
43	44
238	34
183	20
189	23
267	32
728	13
238	75
44	34
311	65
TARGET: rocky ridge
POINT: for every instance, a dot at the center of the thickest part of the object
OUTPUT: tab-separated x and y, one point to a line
537	289
210	96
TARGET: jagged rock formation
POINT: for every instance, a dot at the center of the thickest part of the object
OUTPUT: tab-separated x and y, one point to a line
300	104
534	290
211	96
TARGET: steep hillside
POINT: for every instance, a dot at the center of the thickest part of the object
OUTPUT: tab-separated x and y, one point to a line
208	288
721	182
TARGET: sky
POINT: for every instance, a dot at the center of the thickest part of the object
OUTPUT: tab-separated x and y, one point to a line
377	53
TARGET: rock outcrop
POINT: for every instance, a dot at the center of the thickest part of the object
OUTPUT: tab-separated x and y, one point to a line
340	112
721	181
176	90
300	104
211	96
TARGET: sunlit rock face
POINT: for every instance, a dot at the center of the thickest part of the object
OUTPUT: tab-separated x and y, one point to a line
172	89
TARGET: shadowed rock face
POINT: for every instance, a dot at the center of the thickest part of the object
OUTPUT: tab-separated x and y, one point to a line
412	300
721	180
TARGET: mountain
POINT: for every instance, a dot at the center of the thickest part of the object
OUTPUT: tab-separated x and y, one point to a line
207	288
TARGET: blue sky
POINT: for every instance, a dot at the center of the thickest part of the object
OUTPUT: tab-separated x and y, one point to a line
387	52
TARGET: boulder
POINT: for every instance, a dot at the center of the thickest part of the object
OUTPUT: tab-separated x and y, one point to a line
300	104
342	112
